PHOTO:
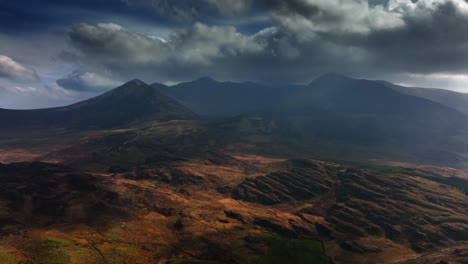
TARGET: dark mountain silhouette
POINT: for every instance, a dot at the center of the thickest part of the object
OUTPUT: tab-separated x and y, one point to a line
208	97
128	104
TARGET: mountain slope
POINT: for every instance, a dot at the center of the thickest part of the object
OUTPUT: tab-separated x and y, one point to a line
342	118
208	97
128	104
455	100
378	109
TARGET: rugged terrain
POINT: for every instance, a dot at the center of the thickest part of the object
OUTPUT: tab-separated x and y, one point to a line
233	210
290	184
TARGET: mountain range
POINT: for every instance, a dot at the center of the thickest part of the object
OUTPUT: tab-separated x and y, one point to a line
208	97
334	118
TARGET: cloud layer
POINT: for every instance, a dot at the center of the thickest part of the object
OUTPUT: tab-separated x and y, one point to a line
305	38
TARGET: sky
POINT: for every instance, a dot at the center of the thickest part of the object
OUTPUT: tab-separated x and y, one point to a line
56	52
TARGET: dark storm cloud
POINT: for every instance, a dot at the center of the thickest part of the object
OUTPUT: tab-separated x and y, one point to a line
307	37
189	52
434	38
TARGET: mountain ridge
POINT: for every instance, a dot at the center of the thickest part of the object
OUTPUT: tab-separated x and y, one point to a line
130	103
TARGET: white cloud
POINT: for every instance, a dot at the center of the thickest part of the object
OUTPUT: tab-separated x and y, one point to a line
14	70
457	82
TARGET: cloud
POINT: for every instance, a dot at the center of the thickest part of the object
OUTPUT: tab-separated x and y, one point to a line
305	38
432	40
87	81
457	82
13	70
338	16
22	90
111	43
128	53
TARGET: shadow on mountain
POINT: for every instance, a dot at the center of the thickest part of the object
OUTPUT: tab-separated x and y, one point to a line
41	194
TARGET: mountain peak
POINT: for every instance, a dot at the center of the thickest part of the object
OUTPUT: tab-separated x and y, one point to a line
131	87
135	82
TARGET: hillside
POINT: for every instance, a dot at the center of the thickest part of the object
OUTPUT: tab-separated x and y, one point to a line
458	101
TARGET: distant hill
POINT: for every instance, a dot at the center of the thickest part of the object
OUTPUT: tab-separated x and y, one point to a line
128	104
458	101
208	97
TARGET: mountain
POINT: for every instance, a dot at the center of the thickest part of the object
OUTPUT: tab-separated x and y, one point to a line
208	97
128	104
456	100
336	117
